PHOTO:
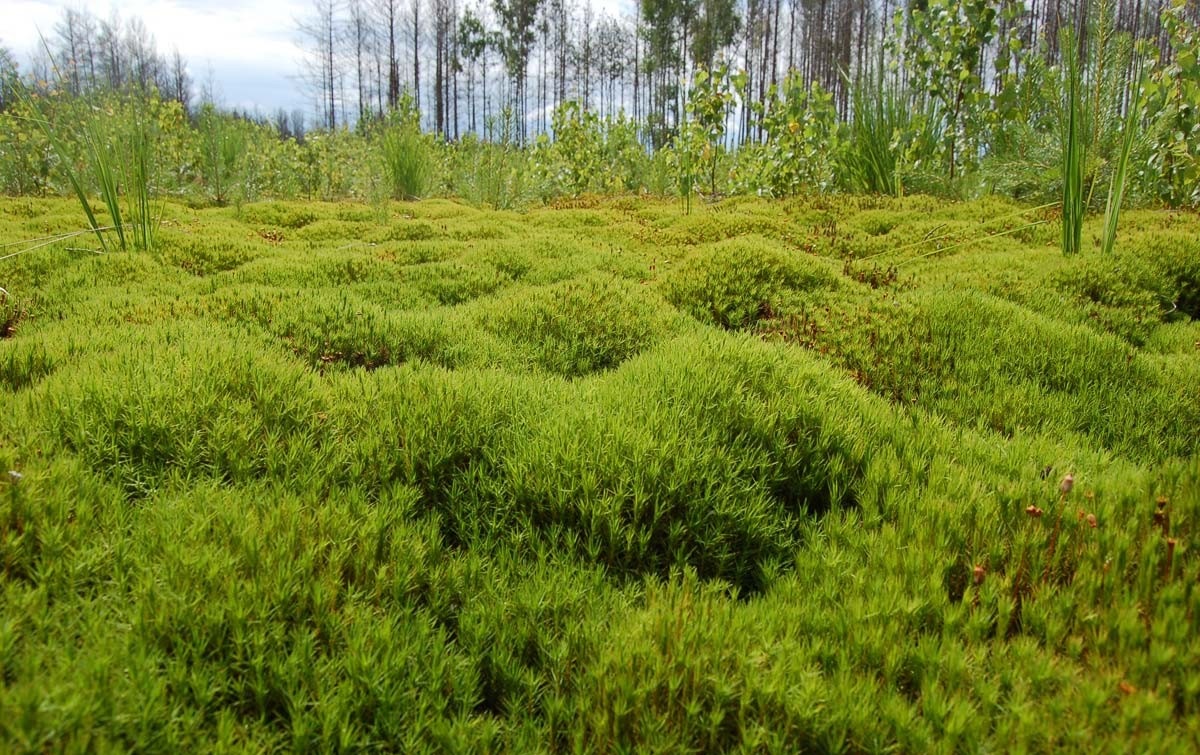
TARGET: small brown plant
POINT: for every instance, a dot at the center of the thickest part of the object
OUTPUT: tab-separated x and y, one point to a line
977	575
1161	517
1067	484
1171	542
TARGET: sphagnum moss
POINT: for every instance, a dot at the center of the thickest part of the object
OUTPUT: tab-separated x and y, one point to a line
305	482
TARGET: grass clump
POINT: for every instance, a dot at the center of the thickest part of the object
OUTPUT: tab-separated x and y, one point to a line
407	155
112	151
870	162
1074	202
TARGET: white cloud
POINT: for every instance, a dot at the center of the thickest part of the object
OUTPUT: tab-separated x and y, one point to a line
250	46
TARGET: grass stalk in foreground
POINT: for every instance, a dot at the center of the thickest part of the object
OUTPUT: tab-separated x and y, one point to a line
1073	155
1116	189
102	169
139	169
116	155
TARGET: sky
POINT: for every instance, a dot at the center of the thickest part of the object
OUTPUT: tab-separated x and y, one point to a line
248	48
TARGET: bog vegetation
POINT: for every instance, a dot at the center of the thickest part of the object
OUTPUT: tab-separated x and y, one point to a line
611	443
601	477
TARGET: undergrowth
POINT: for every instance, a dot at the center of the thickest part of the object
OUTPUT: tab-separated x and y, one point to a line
607	478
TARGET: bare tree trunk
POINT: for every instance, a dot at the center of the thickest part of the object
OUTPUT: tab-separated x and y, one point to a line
775	43
359	28
393	84
329	67
416	51
439	57
454	63
637	63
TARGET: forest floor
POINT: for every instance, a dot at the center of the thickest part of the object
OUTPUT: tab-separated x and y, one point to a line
834	474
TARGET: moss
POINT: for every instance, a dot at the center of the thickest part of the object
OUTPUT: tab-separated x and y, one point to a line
277	214
581	326
609	477
734	284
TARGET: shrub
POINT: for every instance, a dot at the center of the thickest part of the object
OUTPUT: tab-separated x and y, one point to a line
494	171
406	154
802	141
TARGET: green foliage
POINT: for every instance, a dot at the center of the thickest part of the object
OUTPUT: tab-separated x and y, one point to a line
709	103
871	160
575	159
8	78
696	149
334	165
1172	98
407	153
1110	145
239	161
113	148
1024	155
468	480
944	45
590	154
990	121
28	157
1074	202
492	172
800	123
222	144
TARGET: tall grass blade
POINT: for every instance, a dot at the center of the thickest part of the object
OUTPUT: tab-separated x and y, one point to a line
66	159
1073	151
95	142
870	162
139	177
1116	189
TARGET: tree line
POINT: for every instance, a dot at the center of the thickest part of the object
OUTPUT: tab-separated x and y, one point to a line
83	54
714	96
462	61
